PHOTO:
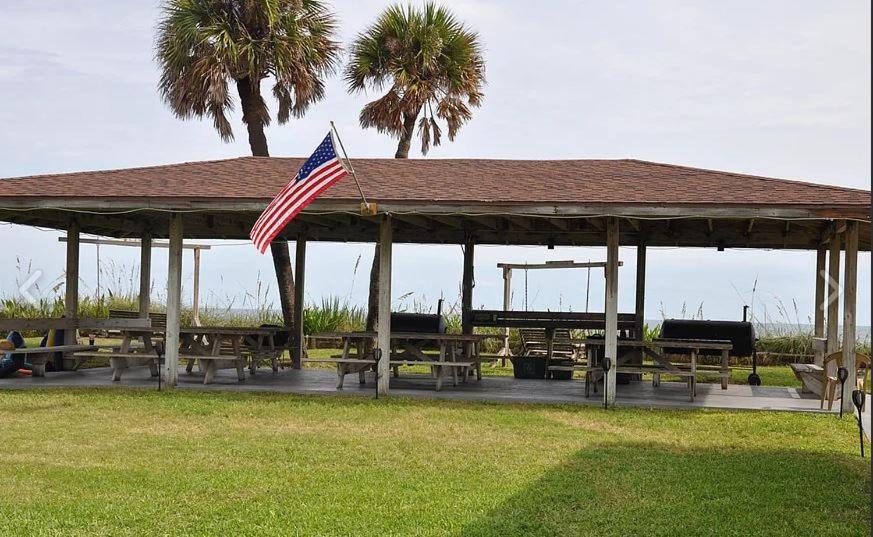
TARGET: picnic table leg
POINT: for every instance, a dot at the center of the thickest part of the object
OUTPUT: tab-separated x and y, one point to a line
550	347
211	366
149	349
725	368
453	358
186	343
39	365
478	352
118	364
274	362
693	383
340	375
438	369
240	361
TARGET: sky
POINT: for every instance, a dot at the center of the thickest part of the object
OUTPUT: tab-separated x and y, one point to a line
777	88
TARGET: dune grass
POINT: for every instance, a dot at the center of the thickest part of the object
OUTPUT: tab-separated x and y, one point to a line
130	462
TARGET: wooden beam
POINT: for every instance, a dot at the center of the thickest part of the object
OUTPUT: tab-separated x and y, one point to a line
383	327
507	305
174	300
450	221
521	222
634	223
136	242
558	223
71	290
611	336
195	304
595	224
820	305
413	220
709	226
298	339
640	301
553	265
467	285
40	324
832	294
850	292
145	275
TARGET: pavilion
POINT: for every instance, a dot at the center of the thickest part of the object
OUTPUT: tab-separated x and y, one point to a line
468	202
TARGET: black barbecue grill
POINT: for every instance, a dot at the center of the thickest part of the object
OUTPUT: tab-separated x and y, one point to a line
427	323
741	334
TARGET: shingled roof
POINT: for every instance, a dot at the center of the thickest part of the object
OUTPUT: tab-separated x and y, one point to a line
487	181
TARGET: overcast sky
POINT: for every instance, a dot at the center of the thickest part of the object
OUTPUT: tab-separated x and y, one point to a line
776	88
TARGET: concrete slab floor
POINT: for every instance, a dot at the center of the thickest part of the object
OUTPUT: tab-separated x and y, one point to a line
496	389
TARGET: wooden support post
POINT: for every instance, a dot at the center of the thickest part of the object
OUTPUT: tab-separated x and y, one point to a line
297	338
640	314
467	288
832	293
640	303
174	301
383	323
145	275
195	305
820	304
850	291
611	336
71	289
507	305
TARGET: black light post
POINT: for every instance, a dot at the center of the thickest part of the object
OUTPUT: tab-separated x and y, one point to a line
159	350
858	400
377	355
842	375
606	365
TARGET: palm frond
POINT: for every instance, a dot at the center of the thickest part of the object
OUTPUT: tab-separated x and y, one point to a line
429	60
202	45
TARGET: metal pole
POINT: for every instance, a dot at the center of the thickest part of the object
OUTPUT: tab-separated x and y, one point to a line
351	168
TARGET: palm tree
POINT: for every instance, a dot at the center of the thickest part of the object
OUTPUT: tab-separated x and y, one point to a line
204	46
432	67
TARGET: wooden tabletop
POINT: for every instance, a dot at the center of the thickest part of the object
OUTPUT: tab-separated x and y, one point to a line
230	330
407	335
56	348
717	344
221	330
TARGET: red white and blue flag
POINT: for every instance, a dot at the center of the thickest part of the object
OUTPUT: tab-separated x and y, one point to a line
320	172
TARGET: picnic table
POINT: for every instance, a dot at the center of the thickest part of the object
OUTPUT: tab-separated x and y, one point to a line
213	347
39	356
216	347
457	354
659	350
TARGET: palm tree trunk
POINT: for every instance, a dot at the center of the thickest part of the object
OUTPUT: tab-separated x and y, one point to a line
279	248
248	95
406	136
373	299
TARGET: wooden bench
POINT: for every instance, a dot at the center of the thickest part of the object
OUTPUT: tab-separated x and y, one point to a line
351	364
591	377
214	363
120	359
345	366
39	356
810	376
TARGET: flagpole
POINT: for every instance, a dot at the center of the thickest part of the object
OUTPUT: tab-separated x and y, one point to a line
351	168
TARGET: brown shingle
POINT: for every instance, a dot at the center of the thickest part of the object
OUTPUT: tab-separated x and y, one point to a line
432	180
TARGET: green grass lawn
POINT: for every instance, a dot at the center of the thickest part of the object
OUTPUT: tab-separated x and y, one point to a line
131	462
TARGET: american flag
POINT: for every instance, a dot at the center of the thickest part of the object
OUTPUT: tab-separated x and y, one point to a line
318	173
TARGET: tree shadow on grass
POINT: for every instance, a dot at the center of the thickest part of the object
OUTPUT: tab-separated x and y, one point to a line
645	489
